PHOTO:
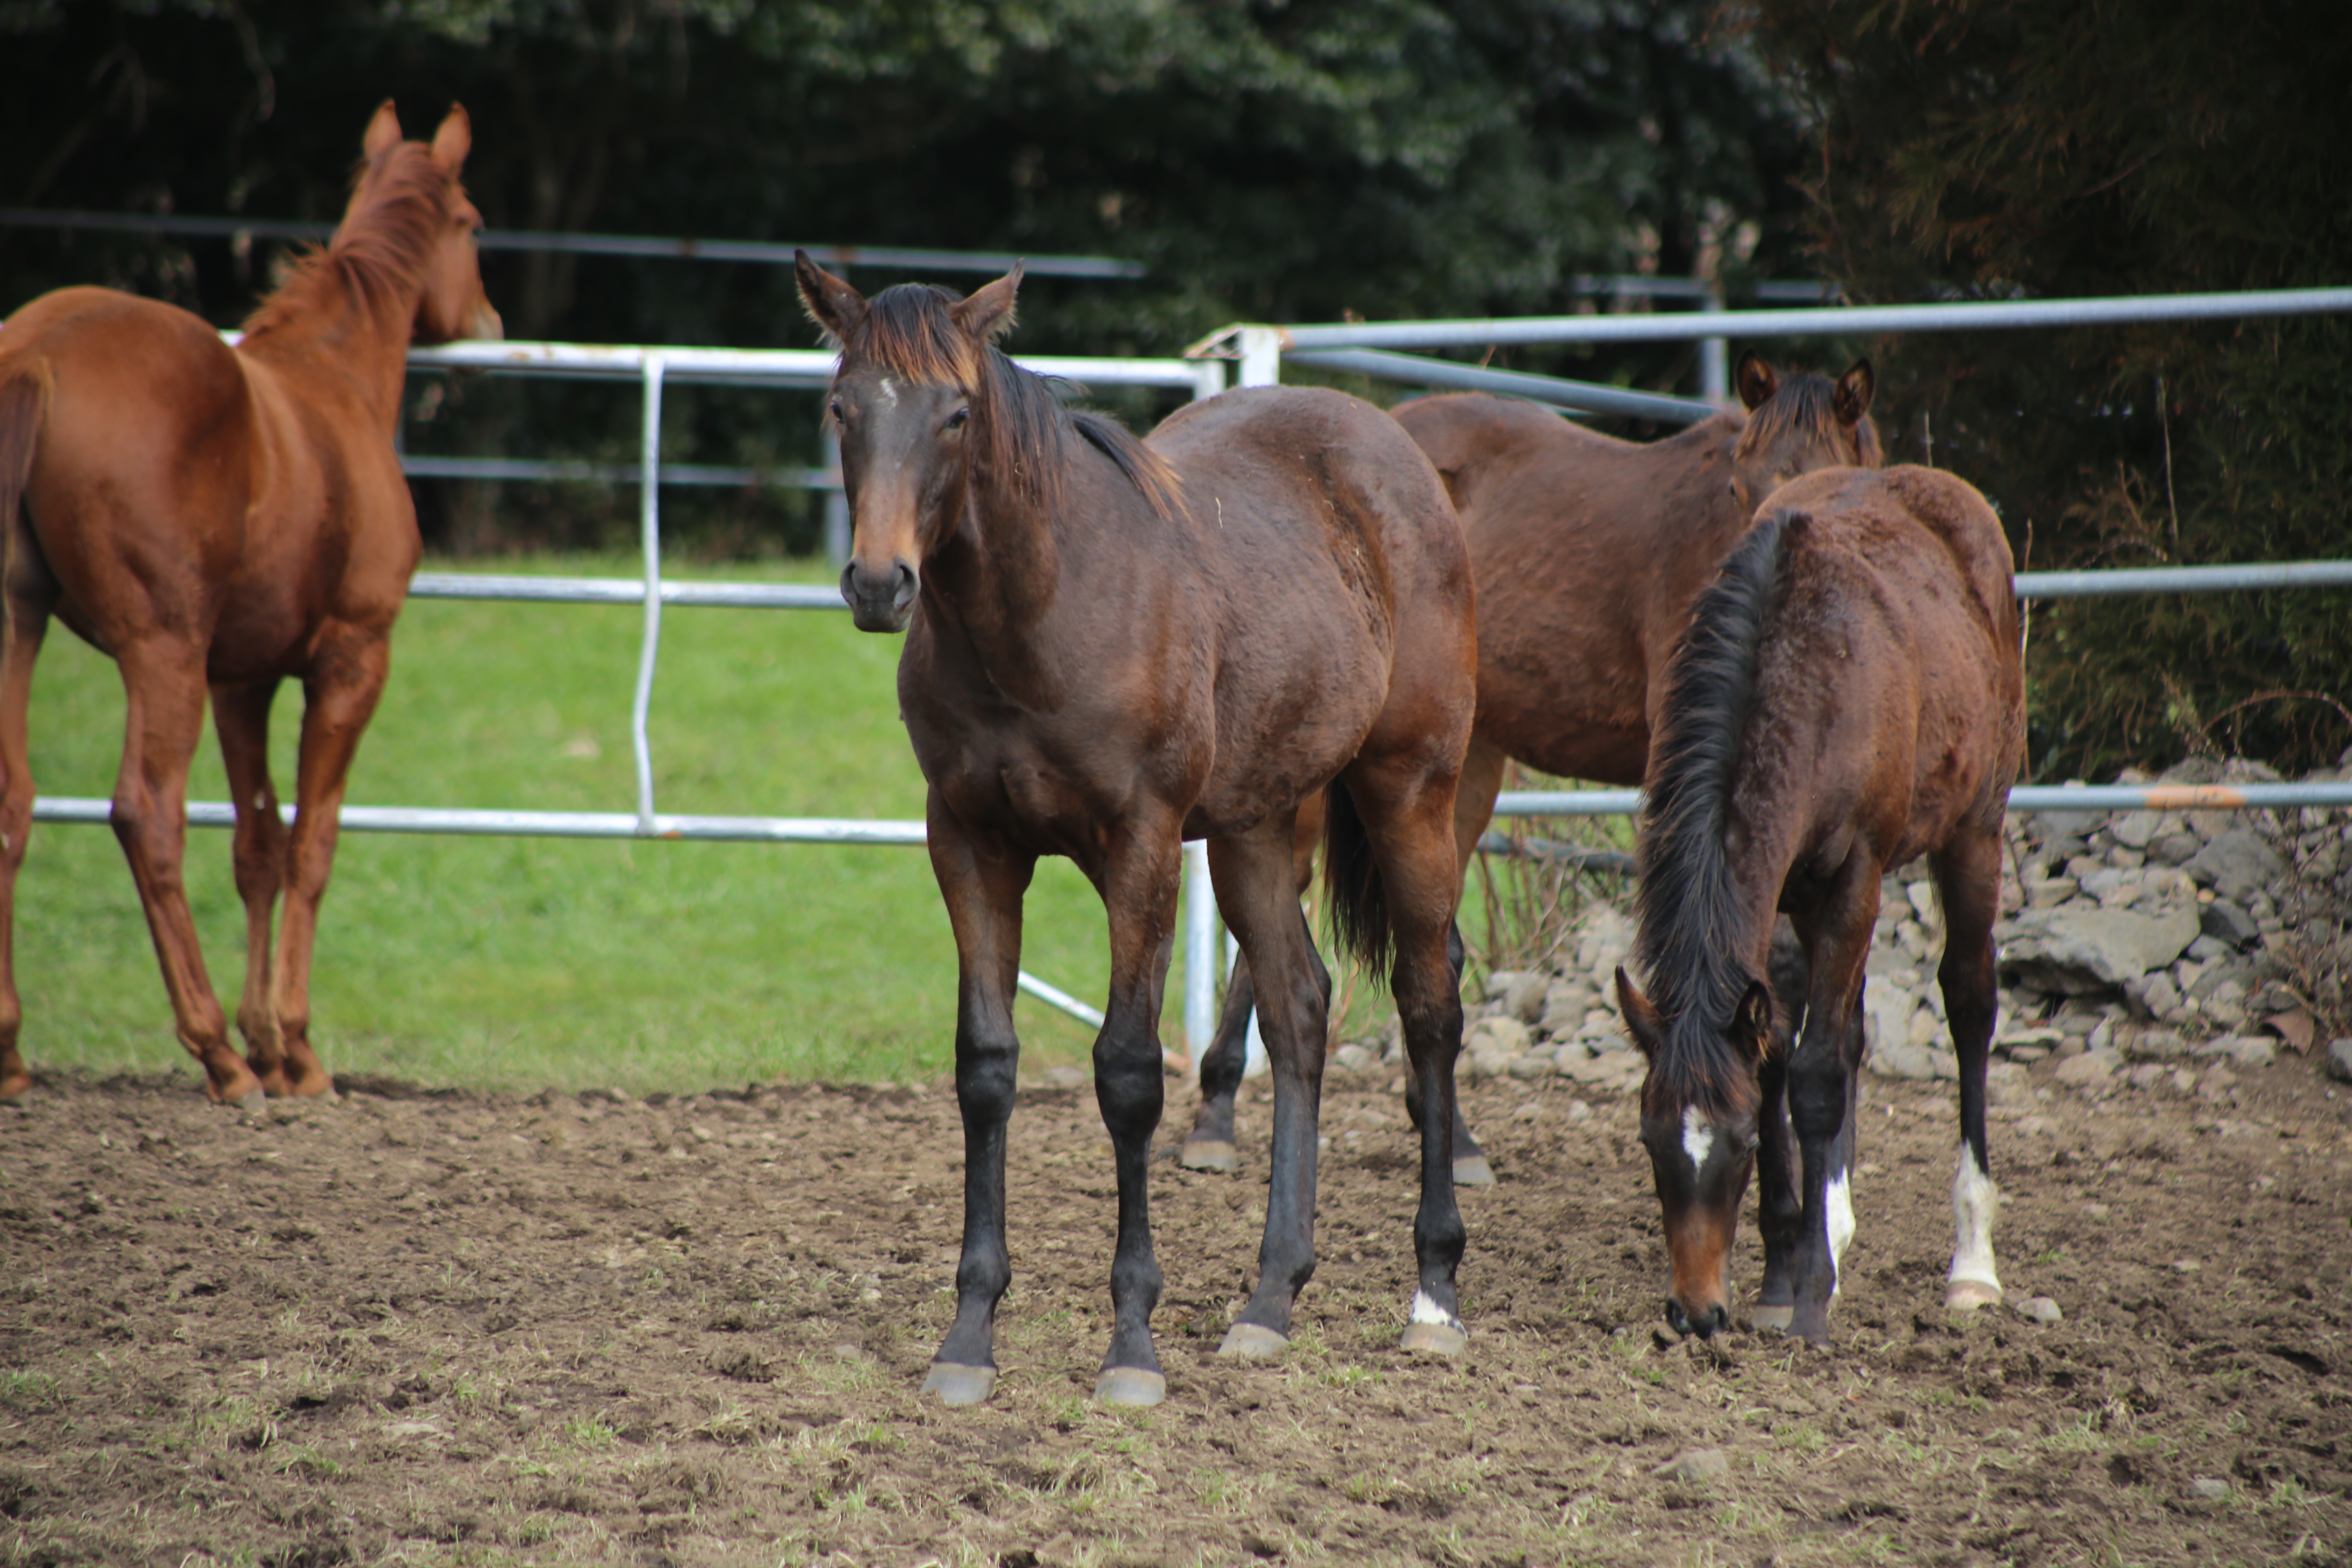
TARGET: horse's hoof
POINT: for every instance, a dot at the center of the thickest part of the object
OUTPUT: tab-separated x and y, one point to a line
1253	1342
1130	1386
15	1090
1209	1155
1968	1294
1435	1339
1778	1319
958	1384
254	1098
1472	1171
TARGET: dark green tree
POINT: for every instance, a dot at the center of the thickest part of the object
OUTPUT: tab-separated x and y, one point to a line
1988	149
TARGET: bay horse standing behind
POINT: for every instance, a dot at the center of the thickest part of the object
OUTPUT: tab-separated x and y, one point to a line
1115	645
1587	551
225	519
1848	698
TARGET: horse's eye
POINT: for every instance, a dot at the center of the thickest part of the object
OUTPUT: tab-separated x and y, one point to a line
838	416
959	419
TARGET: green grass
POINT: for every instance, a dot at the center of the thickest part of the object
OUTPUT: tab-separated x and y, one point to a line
520	962
523	963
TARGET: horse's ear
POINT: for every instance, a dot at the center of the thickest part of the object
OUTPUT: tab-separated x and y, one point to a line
832	304
383	131
1851	401
987	312
1642	1020
1751	1022
454	140
1756	379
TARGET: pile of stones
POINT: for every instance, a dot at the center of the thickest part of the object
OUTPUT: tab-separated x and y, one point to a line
2138	950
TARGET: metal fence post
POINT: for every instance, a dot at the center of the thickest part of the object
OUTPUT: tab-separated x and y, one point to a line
649	530
1714	357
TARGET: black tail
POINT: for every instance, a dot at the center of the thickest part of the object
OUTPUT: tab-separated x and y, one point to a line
1359	903
24	405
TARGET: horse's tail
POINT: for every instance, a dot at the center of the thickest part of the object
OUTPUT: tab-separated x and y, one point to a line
23	407
1360	902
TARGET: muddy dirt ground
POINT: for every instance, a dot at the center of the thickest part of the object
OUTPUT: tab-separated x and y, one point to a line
484	1329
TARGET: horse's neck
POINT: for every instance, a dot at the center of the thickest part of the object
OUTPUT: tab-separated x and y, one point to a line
992	585
337	330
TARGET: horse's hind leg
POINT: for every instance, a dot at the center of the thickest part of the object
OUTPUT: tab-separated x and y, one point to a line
1968	881
25	611
241	716
1407	817
1471	1167
164	684
983	891
1259	898
339	697
1209	1146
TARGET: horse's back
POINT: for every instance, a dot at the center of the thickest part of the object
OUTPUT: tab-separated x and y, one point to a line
1900	613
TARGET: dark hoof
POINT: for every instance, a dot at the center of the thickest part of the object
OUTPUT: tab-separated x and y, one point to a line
958	1385
1130	1386
1435	1339
1767	1320
1253	1342
1472	1171
1209	1155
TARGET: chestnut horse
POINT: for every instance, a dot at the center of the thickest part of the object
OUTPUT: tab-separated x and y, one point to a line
1114	646
1849	697
1587	551
226	518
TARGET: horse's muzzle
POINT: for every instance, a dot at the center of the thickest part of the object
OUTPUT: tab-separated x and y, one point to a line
1705	1324
879	601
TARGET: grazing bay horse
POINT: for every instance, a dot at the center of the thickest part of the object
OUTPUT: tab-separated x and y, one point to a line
224	520
1587	551
1848	697
1114	646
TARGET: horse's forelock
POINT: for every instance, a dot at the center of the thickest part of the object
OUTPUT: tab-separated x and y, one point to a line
908	331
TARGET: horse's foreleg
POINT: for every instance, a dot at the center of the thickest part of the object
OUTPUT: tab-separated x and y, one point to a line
1209	1146
163	685
983	891
241	716
1139	882
340	696
1259	898
26	618
1821	1085
1778	1210
1968	881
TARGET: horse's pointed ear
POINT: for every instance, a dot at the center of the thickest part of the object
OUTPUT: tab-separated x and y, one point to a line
1851	401
1642	1020
1751	1022
987	312
832	304
454	140
383	131
1756	379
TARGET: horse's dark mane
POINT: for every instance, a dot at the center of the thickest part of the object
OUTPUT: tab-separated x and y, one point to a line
379	251
1021	427
1803	402
1690	921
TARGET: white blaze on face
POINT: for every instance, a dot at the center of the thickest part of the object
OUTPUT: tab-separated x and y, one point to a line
1425	1310
1841	1227
1698	1138
890	392
1974	1199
